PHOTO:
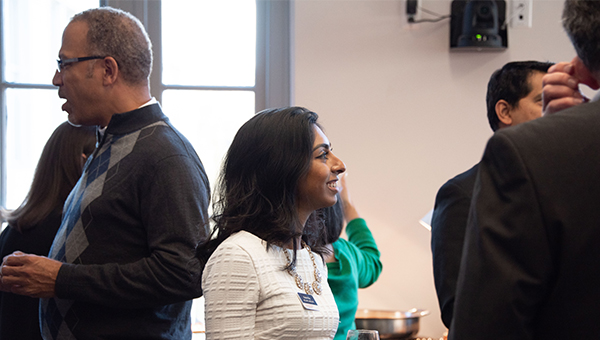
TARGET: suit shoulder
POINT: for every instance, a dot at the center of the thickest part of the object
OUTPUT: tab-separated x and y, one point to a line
464	181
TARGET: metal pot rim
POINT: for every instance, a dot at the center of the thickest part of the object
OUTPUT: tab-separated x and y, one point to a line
370	314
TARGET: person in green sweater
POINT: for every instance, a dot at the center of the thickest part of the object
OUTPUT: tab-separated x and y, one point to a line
351	264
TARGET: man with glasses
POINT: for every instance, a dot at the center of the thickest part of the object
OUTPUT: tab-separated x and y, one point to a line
122	264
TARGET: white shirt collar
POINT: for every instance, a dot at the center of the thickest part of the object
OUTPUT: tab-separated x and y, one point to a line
150	102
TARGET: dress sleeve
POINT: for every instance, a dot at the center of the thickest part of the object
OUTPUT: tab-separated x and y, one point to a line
448	225
231	293
506	264
367	255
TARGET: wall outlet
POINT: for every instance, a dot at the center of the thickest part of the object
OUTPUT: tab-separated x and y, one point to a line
521	13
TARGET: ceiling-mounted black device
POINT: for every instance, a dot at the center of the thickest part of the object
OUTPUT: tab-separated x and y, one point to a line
478	25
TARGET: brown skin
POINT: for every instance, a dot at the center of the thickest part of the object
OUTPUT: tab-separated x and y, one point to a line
318	188
528	108
30	275
561	85
95	91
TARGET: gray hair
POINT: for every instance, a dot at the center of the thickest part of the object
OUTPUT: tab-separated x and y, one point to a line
118	34
581	21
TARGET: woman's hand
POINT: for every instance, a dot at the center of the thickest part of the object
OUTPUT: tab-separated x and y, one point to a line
350	211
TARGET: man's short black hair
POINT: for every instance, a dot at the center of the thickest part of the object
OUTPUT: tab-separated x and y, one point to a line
511	83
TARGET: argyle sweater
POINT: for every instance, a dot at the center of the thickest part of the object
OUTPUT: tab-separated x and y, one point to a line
128	234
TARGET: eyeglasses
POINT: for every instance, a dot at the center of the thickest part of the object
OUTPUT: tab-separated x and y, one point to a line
64	62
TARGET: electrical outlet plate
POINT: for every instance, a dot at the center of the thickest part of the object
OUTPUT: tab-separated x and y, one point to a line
521	13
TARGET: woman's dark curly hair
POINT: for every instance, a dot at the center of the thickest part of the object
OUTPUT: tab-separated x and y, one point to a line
258	186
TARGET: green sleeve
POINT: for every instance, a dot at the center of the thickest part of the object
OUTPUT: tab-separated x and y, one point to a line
367	255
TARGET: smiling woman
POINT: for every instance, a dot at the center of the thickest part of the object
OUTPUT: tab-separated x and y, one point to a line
318	188
267	238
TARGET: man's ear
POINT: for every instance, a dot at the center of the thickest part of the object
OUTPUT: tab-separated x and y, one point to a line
503	112
584	75
111	70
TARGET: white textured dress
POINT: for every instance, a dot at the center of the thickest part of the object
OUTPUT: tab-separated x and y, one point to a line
248	295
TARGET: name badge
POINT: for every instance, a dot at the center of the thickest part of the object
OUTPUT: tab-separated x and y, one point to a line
308	301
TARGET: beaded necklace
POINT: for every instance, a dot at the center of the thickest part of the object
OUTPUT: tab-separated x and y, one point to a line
309	288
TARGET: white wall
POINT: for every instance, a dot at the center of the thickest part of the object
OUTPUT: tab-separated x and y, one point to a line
405	114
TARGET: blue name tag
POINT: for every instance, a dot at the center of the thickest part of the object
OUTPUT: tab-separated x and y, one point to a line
308	301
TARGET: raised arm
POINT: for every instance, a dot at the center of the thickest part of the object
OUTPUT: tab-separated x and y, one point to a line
561	88
350	211
362	240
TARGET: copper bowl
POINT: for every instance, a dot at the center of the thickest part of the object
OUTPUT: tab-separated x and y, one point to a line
390	324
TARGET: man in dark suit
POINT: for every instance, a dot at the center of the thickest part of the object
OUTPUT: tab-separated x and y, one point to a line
530	267
514	96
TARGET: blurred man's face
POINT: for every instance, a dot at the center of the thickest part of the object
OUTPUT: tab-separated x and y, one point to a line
529	107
